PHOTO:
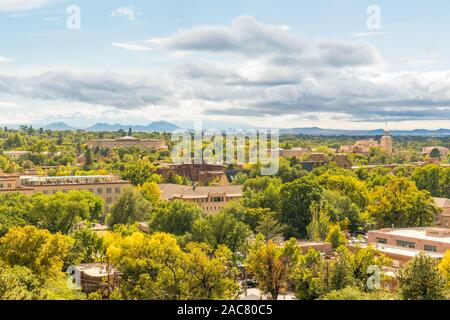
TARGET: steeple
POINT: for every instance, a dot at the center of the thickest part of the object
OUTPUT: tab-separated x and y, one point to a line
386	141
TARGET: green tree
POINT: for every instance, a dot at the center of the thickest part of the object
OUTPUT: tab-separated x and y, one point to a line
18	283
221	229
39	250
210	273
429	178
270	228
138	172
320	224
444	267
340	209
14	209
59	212
87	247
336	237
262	192
176	217
272	265
154	267
354	293
129	208
151	192
421	279
435	153
308	276
341	271
296	200
250	216
399	203
346	185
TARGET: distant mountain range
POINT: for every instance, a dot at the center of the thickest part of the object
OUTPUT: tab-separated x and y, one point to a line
161	126
59	126
339	132
152	127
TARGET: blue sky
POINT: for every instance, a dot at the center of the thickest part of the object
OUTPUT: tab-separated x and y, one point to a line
266	63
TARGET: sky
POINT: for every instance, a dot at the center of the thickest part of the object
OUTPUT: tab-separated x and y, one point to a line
349	64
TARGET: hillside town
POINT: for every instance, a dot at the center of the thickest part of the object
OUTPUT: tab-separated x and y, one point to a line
331	204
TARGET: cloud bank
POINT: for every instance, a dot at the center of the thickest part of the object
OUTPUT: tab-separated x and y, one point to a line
251	69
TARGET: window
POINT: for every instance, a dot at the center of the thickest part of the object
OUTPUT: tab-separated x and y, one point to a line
117	189
381	240
429	248
109	190
406	244
9	185
99	190
91	190
108	200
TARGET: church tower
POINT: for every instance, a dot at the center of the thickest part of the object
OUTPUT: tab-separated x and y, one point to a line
387	142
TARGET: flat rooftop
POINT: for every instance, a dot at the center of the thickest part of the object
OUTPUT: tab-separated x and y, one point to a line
403	251
416	233
442	202
35	181
169	191
96	269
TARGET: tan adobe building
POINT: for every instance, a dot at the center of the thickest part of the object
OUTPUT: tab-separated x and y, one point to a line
202	173
363	146
401	245
107	187
426	151
127	142
91	277
443	218
210	199
342	161
15	155
294	152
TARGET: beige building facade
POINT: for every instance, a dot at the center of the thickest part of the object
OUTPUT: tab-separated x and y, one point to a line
443	151
402	245
210	199
443	218
107	187
363	146
127	142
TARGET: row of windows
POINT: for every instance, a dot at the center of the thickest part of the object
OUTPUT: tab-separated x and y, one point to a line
430	248
214	199
108	190
406	244
98	190
212	208
8	186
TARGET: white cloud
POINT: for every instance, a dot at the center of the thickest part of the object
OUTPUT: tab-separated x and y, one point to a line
4	59
120	90
22	5
17	15
245	35
130	46
275	73
128	12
